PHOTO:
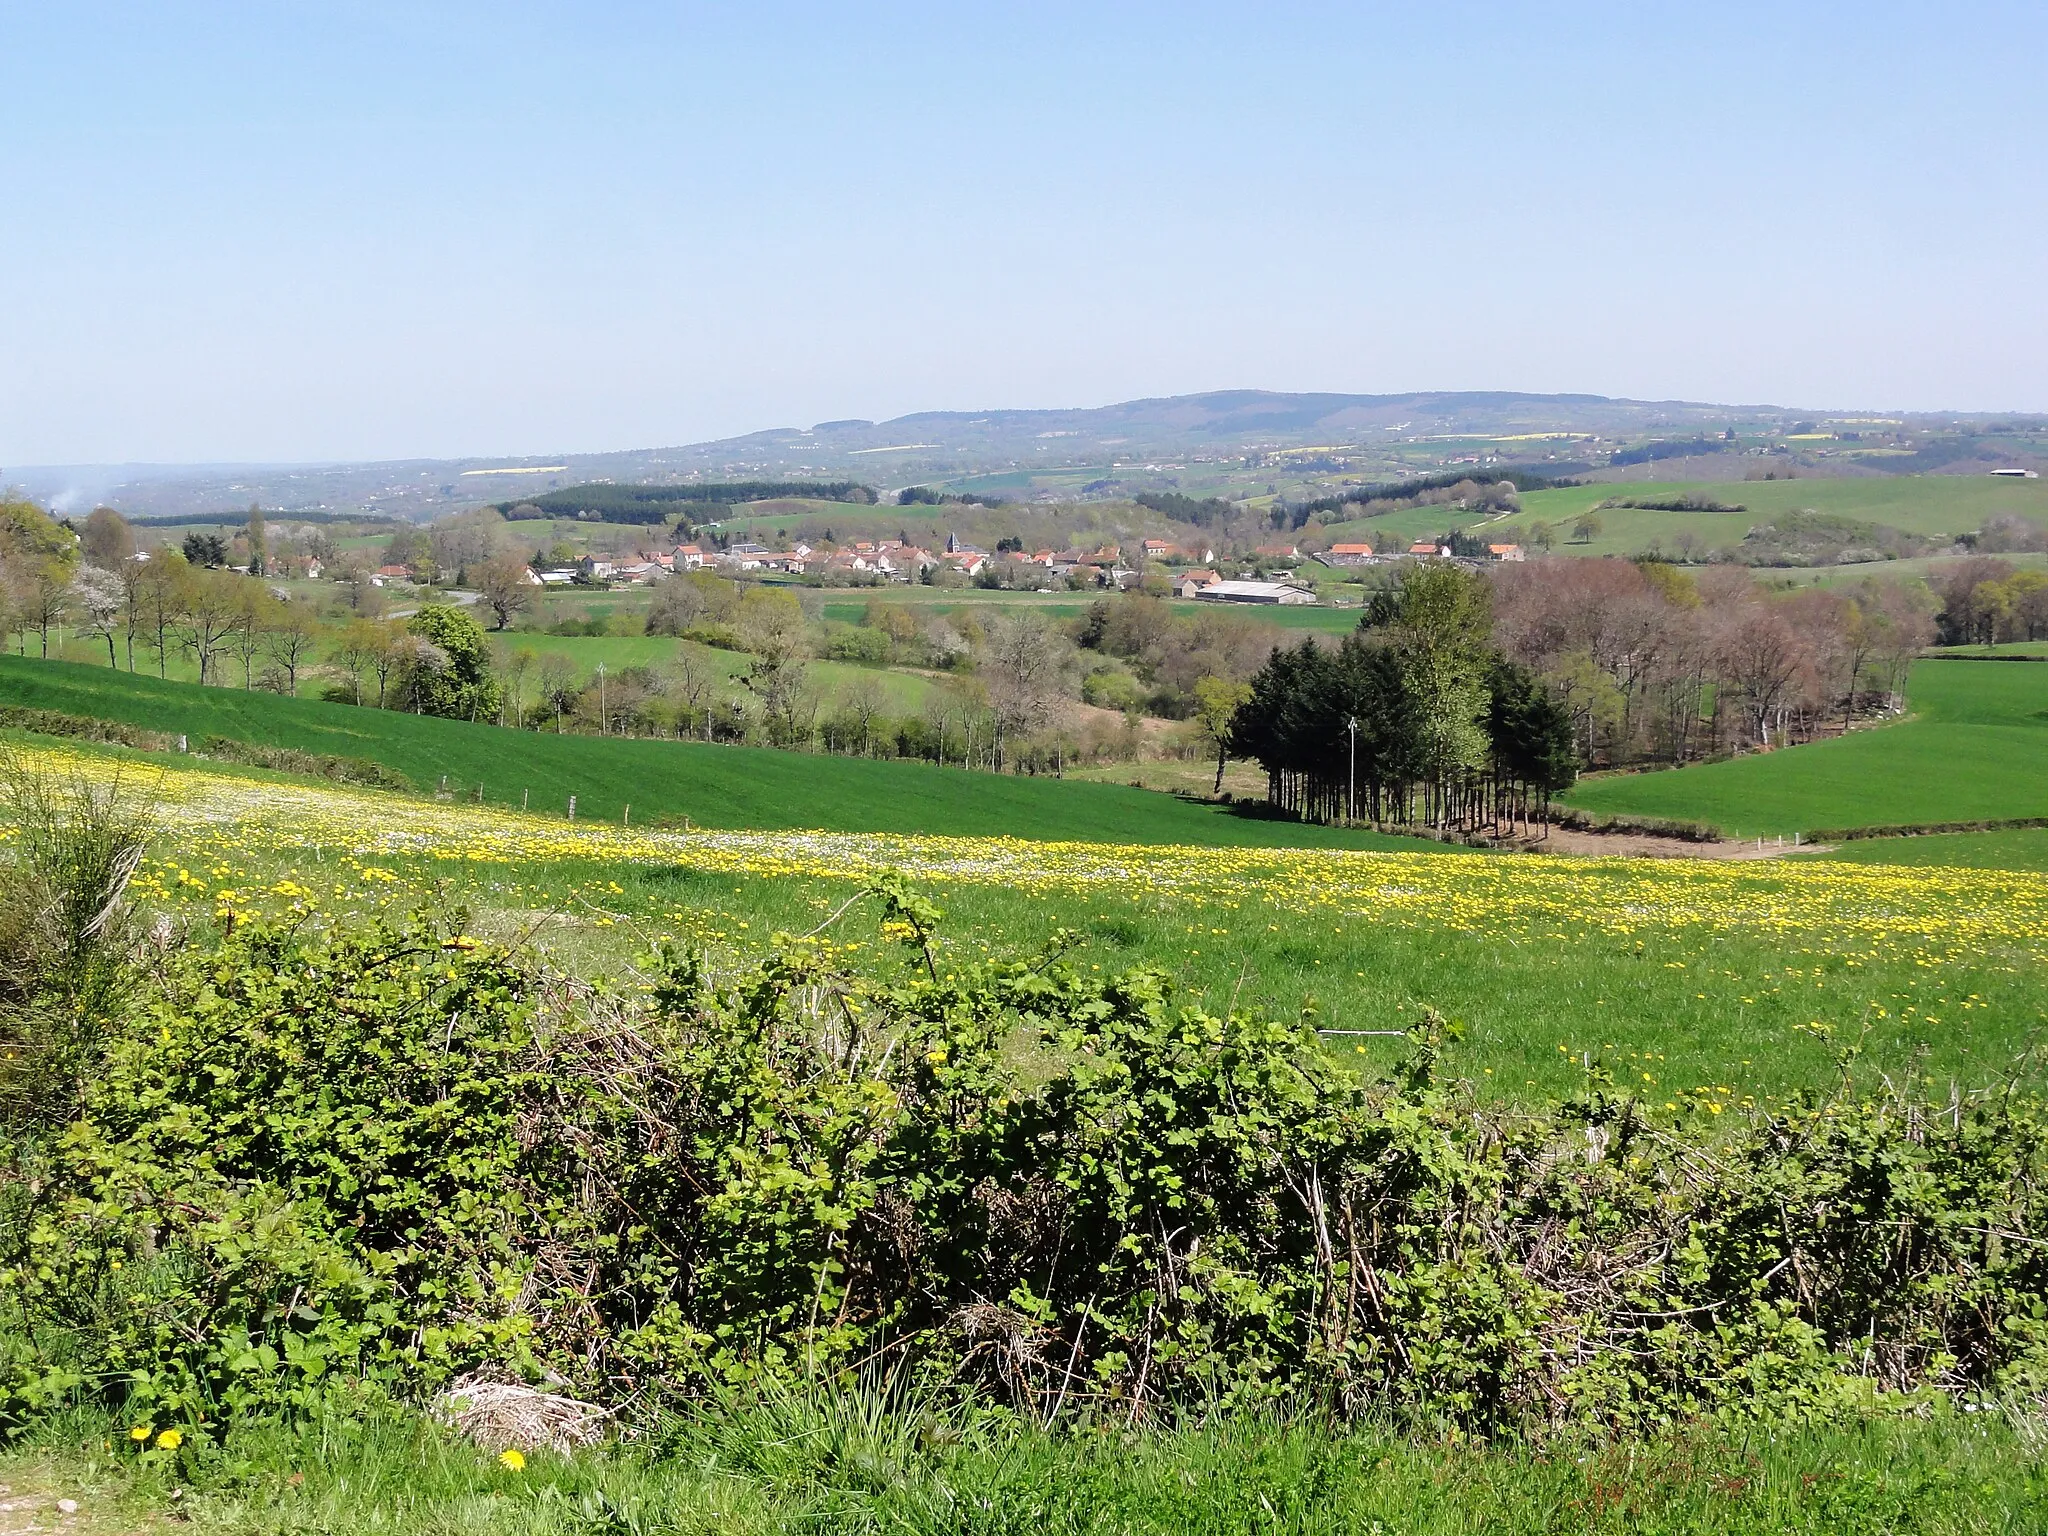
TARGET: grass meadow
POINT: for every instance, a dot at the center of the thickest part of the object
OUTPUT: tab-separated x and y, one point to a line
712	786
1973	748
843	1465
1702	984
1920	504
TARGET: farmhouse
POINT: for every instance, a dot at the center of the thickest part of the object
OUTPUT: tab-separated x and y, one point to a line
1170	554
1256	592
1347	554
1505	551
1192	583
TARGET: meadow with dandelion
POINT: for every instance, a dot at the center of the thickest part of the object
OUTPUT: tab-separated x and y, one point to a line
382	1107
1739	979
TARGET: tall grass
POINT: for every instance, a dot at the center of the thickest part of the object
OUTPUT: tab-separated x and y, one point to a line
837	1462
70	847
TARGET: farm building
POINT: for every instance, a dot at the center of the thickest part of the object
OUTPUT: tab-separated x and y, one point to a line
1255	592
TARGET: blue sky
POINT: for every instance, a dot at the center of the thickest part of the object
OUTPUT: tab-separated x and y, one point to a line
308	231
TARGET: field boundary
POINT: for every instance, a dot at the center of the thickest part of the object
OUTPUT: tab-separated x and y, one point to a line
1926	829
1572	819
57	724
1951	656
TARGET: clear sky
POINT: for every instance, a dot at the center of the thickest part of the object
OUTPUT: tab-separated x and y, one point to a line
303	230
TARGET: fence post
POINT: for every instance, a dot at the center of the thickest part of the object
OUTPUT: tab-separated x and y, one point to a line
572	807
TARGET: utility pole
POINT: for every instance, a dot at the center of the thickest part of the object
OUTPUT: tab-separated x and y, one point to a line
1351	783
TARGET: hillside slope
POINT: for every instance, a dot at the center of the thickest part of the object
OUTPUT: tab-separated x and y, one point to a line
714	786
1973	748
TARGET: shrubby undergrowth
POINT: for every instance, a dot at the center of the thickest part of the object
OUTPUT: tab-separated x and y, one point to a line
305	1166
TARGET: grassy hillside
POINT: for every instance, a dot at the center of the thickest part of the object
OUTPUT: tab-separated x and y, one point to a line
1694	972
1974	748
1922	504
2015	848
714	786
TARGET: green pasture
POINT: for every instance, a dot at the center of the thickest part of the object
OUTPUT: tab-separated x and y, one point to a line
2013	848
1928	568
848	606
1974	747
714	786
1920	504
1665	1007
903	693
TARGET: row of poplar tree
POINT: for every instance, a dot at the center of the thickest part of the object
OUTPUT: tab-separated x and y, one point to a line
1416	719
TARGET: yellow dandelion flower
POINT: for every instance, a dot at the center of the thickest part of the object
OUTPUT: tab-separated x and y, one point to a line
170	1440
511	1461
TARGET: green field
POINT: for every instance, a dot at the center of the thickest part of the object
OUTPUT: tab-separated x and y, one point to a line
903	692
1918	504
1973	748
838	1466
1683	977
848	607
714	786
2013	848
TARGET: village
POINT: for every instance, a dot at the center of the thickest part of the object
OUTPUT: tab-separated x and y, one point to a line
1267	575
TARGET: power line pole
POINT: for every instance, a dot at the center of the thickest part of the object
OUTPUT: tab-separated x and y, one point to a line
1351	783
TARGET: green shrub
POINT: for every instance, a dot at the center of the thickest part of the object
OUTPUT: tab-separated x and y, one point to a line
396	1154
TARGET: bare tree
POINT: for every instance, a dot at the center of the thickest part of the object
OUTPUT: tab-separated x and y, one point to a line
289	640
163	589
252	626
1760	658
368	645
1023	663
771	626
558	689
694	686
862	705
505	583
45	596
214	609
513	665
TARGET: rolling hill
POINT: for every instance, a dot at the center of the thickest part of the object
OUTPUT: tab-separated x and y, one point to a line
1973	748
713	786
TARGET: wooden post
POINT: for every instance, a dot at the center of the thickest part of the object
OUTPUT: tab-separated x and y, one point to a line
629	815
572	807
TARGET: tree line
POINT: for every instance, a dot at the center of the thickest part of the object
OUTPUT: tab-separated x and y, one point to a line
1414	719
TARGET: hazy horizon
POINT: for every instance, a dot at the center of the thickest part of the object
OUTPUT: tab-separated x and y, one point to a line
369	232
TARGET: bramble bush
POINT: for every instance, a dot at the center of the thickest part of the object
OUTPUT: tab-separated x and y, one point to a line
308	1164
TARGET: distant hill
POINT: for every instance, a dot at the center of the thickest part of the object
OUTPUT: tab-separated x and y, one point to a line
1237	442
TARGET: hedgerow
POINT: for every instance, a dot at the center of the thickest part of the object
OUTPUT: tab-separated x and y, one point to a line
379	1159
